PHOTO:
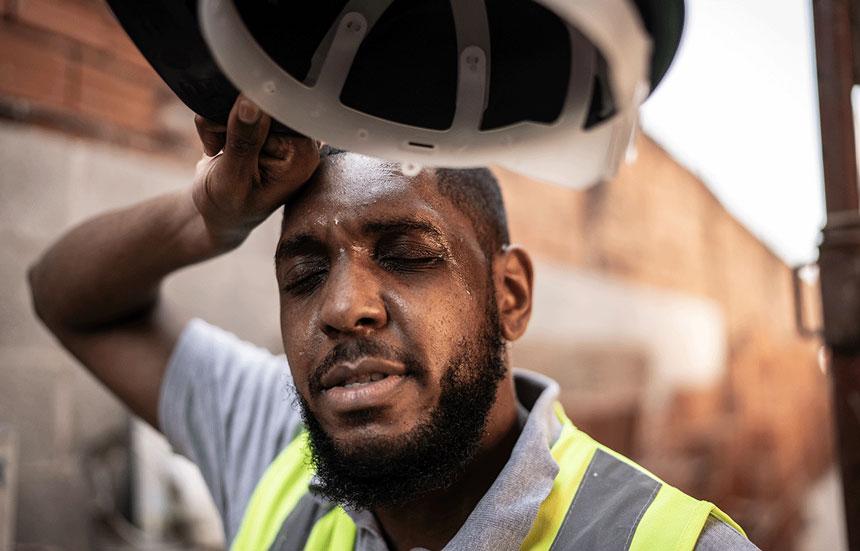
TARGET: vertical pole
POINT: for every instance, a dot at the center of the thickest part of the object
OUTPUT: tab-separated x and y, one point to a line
839	254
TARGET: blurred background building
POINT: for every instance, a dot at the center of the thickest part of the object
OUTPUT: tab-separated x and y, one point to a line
668	323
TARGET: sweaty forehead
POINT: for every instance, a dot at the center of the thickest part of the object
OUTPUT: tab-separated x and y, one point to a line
350	188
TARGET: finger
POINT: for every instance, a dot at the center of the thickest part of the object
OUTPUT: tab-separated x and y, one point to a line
280	146
247	127
212	135
282	177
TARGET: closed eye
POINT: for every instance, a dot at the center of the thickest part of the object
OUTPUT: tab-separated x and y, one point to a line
409	264
408	256
303	276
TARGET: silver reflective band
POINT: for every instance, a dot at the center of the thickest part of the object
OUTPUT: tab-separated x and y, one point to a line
607	507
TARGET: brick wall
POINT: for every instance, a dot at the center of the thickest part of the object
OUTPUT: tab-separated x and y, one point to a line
68	65
757	440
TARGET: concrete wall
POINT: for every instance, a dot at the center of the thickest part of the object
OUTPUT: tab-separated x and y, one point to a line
60	414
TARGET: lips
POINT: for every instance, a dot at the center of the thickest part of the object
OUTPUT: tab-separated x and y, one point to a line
368	383
363	372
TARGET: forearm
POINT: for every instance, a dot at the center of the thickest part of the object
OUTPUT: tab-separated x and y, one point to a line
110	267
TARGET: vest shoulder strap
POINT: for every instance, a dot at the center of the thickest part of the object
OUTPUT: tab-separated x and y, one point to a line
282	513
674	521
601	500
334	532
275	496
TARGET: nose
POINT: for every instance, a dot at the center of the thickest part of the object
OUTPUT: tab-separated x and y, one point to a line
352	301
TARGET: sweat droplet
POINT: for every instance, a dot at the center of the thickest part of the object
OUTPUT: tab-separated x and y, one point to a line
410	169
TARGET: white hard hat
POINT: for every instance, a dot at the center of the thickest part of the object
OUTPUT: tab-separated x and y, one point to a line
548	88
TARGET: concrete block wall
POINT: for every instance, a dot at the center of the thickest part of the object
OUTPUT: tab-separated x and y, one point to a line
50	182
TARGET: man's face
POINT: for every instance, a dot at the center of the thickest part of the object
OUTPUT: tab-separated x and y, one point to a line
387	311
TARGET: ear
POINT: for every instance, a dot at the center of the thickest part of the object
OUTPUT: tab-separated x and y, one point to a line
513	275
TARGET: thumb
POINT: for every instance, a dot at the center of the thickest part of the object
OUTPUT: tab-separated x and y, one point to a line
247	128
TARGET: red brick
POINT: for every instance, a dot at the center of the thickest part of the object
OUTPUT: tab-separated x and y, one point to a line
33	67
84	21
108	62
111	97
71	18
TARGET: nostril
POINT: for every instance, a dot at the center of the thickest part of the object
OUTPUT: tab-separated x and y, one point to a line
366	322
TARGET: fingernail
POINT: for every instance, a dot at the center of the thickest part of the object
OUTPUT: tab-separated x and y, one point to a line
248	112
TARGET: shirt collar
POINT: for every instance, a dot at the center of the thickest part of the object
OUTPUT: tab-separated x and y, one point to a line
504	516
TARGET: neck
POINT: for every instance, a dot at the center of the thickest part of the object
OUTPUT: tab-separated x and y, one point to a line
432	520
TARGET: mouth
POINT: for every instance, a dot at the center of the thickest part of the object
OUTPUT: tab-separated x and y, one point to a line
357	380
368	383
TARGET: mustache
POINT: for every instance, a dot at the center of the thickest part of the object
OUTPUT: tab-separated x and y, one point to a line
353	350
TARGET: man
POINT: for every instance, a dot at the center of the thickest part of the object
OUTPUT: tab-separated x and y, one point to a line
397	296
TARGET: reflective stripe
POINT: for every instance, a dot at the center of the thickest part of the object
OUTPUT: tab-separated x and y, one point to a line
276	495
295	530
607	507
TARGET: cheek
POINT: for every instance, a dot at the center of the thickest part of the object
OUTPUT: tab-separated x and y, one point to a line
435	321
295	336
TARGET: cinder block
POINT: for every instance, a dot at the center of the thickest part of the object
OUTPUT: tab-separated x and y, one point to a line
33	184
106	177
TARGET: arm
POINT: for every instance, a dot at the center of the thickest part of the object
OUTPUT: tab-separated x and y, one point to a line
97	288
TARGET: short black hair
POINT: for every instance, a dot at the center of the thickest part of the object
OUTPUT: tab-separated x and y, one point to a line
476	193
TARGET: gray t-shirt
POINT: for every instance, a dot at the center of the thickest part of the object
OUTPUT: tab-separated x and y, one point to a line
227	406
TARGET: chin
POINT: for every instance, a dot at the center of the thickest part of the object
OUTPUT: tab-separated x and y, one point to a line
369	427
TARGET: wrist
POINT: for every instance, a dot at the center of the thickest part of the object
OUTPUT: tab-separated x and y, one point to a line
205	236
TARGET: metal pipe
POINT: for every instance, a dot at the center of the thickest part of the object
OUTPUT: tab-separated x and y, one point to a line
839	253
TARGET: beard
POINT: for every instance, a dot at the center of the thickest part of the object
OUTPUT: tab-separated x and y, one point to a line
433	455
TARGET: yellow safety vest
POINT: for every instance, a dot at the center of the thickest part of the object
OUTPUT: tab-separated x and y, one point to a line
632	509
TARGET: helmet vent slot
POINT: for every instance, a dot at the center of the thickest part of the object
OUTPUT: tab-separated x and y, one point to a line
602	106
421	145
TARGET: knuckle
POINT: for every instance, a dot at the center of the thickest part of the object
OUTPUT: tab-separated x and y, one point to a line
241	145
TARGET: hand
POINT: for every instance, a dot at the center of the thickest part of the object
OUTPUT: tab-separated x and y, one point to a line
248	173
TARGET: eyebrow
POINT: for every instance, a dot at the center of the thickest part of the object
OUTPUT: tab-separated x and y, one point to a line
302	244
403	225
307	244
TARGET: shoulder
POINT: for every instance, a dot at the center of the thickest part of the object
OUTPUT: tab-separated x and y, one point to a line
719	536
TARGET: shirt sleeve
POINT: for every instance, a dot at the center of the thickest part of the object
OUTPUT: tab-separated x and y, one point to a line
227	405
719	536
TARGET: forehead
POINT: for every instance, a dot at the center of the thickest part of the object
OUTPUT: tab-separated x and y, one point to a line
350	189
